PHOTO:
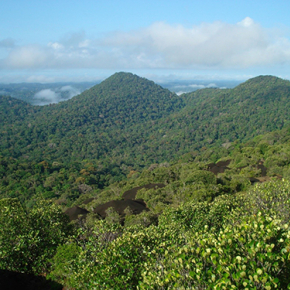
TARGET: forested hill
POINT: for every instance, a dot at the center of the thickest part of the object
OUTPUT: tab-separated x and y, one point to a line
89	125
128	122
14	110
124	99
217	116
218	218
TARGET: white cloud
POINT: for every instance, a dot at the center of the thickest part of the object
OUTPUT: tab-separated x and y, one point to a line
28	57
198	86
180	93
70	90
49	96
55	45
46	96
216	45
192	87
246	22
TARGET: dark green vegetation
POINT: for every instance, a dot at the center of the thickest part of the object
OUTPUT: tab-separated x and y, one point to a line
188	192
125	124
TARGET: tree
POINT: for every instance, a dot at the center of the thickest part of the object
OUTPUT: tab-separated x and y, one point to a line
28	239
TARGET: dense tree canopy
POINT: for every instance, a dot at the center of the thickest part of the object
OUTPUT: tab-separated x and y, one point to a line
208	170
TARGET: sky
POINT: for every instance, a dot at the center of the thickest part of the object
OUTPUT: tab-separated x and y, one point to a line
69	40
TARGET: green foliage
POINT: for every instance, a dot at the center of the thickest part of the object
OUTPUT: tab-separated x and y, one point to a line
233	242
30	180
271	197
202	230
141	220
28	239
251	255
14	236
112	217
127	122
200	176
64	262
196	215
75	262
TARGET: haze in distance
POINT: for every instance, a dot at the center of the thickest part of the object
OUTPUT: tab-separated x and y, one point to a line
165	41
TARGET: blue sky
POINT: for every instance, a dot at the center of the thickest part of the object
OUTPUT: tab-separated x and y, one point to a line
68	40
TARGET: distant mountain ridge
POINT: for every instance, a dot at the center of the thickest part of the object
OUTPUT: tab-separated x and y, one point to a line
87	124
122	93
132	122
254	107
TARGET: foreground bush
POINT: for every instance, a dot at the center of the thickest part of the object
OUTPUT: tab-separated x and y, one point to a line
28	239
251	255
236	242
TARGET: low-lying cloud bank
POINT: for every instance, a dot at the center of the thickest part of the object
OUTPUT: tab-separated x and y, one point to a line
216	45
49	96
181	89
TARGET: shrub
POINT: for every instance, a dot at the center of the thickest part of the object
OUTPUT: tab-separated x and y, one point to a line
28	239
252	255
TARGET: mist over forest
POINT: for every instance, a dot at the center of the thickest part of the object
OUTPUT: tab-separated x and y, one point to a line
40	94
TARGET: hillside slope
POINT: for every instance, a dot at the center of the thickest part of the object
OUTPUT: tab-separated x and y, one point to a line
196	223
128	122
217	116
91	124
